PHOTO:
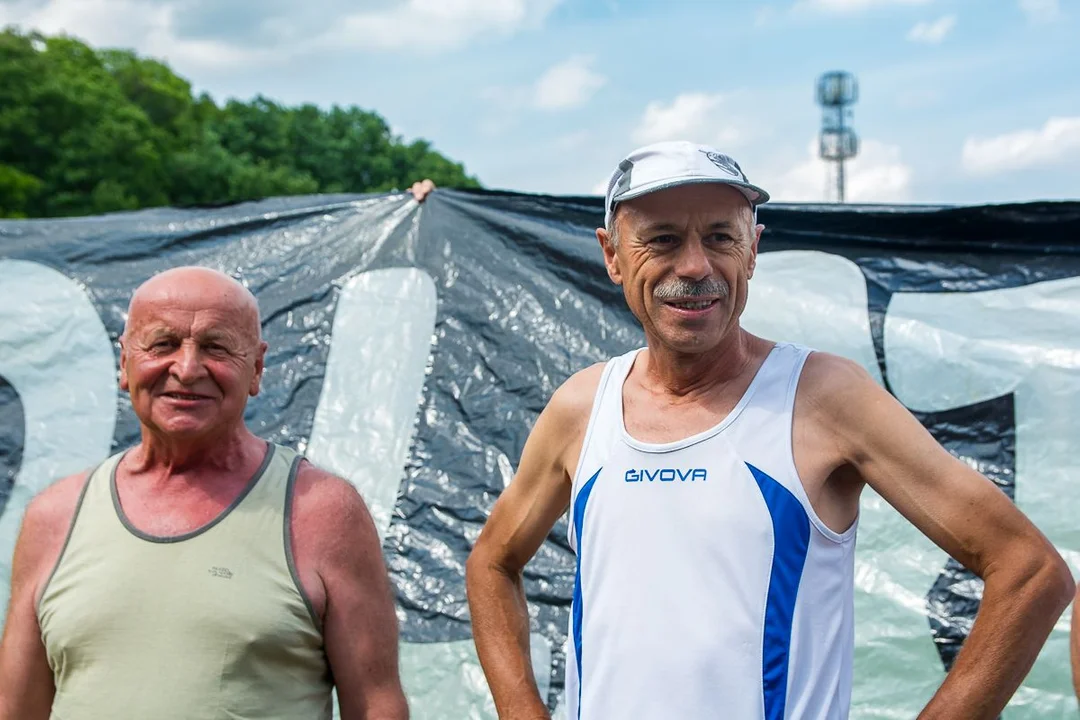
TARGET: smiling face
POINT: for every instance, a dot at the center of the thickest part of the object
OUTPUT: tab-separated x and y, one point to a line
684	257
191	353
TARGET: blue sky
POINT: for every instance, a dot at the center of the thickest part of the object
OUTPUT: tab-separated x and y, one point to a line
961	101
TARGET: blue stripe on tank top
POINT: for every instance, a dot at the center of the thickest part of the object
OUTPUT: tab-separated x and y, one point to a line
579	519
791	540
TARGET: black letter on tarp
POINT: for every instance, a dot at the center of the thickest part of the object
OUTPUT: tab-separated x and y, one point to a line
12	438
984	435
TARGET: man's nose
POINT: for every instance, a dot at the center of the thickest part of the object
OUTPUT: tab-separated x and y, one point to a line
692	262
188	366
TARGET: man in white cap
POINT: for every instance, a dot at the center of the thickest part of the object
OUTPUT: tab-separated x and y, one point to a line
713	480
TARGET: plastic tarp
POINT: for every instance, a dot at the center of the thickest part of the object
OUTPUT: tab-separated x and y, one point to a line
412	347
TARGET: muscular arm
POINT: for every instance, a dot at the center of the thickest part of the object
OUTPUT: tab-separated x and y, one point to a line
1027	584
340	561
519	522
26	680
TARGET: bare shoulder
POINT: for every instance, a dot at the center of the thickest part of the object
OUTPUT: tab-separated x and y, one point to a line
45	526
53	509
830	384
573	400
846	405
327	506
826	374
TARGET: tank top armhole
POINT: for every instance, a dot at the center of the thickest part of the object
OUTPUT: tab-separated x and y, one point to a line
67	539
598	400
290	560
804	499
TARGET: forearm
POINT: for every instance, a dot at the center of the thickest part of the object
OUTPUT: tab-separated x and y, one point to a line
386	704
500	621
1017	613
26	703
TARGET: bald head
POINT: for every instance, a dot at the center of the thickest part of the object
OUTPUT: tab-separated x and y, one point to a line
191	354
198	288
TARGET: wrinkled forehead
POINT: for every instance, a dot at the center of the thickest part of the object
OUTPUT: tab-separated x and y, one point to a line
701	205
190	309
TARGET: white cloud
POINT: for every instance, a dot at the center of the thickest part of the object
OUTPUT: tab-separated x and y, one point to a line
691	116
435	25
144	27
1055	142
569	84
876	174
1041	11
162	29
932	33
855	5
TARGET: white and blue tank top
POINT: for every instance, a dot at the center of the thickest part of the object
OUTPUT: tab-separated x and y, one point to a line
706	586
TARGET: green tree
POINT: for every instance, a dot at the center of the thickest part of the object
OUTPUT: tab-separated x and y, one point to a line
87	131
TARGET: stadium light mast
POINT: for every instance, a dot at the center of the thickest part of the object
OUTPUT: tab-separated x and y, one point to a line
837	91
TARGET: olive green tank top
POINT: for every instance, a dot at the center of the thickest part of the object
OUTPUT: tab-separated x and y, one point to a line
210	624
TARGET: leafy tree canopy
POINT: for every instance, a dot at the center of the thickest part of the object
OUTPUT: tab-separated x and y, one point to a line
86	131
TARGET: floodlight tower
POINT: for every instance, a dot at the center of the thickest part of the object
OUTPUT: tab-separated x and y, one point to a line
837	91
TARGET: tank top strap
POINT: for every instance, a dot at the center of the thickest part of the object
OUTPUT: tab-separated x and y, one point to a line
274	483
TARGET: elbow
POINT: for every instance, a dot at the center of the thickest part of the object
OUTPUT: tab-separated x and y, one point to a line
1060	583
1051	575
1067	585
483	565
1038	573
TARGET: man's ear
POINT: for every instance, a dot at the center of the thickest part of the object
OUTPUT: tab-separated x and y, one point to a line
123	365
611	255
260	365
758	229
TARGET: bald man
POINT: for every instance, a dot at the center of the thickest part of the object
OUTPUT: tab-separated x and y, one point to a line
204	572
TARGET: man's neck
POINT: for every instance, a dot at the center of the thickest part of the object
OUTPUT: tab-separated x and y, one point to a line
218	452
683	374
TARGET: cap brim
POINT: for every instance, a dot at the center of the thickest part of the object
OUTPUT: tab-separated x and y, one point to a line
753	193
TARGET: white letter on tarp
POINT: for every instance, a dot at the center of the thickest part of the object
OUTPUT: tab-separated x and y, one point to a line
382	334
948	350
383	327
57	355
814	299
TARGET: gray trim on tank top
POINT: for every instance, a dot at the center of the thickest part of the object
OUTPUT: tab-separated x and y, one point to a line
67	539
197	531
290	560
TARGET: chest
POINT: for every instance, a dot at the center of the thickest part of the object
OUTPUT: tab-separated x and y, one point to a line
178	507
702	498
230	596
652	418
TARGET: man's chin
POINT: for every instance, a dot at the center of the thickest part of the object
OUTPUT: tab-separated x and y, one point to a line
689	343
186	427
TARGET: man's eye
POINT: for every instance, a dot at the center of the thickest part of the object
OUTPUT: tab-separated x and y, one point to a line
664	239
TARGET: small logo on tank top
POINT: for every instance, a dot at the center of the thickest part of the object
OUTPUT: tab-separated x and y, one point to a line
667	475
221	572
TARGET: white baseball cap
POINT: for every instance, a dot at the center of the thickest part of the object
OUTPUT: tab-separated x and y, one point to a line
669	164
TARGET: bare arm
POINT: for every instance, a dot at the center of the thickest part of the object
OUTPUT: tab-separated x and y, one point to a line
26	680
519	522
1027	584
360	627
1074	646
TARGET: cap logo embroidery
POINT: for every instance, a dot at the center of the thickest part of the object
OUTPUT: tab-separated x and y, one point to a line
725	163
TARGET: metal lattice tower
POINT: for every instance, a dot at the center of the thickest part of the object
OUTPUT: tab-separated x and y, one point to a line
837	91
